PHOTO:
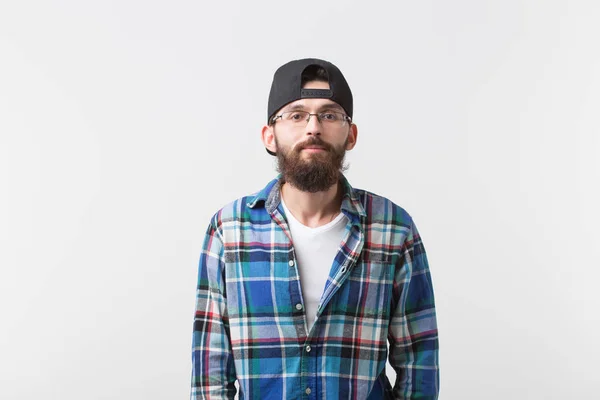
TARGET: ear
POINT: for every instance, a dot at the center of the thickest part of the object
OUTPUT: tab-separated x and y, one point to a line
352	136
268	138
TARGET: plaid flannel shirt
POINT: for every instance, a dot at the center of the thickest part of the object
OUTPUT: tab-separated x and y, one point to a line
250	324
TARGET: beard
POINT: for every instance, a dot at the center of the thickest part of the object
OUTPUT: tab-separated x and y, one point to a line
316	172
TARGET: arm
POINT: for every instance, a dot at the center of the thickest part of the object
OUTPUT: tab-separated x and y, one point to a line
213	373
413	333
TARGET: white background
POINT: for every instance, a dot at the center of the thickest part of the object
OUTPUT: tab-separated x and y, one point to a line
125	125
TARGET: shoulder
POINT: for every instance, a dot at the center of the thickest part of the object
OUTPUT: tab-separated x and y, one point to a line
234	210
248	208
380	209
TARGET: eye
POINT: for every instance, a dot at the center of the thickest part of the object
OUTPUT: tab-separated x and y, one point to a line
296	116
328	116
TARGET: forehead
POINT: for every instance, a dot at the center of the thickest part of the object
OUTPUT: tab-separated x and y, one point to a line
312	104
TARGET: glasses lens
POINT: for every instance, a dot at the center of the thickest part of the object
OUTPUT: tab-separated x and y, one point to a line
300	118
331	118
295	117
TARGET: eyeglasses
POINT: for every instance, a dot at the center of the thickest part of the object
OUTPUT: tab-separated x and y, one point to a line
300	119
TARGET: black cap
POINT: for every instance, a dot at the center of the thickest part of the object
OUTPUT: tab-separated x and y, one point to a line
287	87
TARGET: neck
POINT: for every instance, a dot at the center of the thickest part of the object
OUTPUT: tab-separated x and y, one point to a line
313	209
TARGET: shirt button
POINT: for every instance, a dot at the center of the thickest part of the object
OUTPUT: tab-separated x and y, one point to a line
308	349
343	270
298	306
291	263
307	391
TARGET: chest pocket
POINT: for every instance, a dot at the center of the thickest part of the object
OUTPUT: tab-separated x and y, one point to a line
366	293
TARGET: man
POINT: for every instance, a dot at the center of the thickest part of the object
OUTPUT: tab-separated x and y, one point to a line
302	284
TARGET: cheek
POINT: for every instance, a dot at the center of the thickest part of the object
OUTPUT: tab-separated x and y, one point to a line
287	142
340	142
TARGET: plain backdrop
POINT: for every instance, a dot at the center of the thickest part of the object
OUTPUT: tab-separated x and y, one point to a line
124	125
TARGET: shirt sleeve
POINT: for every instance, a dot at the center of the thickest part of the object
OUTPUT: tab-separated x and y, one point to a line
413	333
213	373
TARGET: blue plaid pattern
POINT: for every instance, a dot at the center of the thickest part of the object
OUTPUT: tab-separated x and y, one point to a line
250	324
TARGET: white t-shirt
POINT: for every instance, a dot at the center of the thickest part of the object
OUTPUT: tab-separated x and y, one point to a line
315	250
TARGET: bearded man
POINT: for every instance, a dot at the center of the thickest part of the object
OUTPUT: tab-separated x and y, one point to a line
306	287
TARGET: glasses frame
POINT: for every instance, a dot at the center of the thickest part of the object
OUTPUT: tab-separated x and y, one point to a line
318	115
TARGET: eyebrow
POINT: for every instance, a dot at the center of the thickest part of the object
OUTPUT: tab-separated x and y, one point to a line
328	106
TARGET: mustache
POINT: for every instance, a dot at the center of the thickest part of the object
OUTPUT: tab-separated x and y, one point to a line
313	141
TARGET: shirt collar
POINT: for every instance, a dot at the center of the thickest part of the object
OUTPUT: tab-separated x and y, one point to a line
270	197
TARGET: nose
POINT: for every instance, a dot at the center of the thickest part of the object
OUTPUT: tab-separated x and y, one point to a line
313	126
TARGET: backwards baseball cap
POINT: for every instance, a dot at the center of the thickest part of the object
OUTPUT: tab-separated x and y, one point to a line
287	87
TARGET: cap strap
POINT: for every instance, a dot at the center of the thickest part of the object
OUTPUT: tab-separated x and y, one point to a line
315	93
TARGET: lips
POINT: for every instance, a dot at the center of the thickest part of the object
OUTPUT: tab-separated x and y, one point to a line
313	148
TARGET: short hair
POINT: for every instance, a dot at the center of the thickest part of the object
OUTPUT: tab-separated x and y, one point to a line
314	73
